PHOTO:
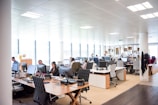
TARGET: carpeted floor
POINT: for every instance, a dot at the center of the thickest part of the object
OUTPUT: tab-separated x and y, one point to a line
138	95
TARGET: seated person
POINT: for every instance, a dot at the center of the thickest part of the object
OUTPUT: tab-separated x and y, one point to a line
40	68
54	70
72	60
84	65
153	60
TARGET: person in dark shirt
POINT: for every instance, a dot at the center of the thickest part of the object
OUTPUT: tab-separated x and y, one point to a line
54	70
40	62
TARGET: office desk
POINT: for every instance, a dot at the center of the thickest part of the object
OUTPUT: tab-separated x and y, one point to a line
101	78
56	88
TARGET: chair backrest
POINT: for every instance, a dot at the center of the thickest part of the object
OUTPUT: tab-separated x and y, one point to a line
40	96
89	65
136	64
76	66
120	63
112	70
83	74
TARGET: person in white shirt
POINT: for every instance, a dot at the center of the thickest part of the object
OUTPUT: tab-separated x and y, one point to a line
84	65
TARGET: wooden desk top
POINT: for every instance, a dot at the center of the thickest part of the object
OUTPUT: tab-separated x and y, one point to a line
54	86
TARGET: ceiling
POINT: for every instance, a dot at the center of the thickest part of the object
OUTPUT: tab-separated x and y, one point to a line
106	16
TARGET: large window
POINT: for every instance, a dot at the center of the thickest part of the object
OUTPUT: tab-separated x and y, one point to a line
55	51
97	49
84	50
66	50
153	50
75	50
90	49
42	51
27	47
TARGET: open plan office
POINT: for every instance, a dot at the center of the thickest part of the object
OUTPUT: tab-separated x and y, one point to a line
72	52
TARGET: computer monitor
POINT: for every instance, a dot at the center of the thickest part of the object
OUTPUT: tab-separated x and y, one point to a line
24	66
41	68
66	62
124	59
106	58
102	64
31	69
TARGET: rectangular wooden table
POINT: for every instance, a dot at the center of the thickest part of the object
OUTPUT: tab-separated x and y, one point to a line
55	87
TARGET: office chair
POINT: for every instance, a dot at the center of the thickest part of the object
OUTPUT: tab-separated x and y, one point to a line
17	88
84	74
113	77
75	67
40	96
136	66
89	65
120	63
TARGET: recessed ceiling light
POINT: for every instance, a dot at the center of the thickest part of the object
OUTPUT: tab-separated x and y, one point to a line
86	27
144	16
147	5
132	8
114	33
150	15
31	15
129	37
139	7
156	14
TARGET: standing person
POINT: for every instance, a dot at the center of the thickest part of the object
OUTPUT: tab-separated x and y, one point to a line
15	65
54	70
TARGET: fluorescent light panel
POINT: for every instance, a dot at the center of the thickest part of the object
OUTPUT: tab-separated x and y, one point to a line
148	16
156	14
31	15
86	27
130	37
147	5
140	7
114	33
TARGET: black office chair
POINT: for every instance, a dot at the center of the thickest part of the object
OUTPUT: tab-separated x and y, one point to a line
40	96
89	65
17	90
84	74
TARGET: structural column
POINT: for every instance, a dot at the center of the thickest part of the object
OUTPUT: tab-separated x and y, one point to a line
143	42
5	53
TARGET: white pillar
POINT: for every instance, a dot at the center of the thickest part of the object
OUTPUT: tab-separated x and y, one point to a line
143	41
5	53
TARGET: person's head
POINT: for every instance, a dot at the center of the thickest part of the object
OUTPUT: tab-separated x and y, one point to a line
85	60
13	58
72	59
40	62
53	64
